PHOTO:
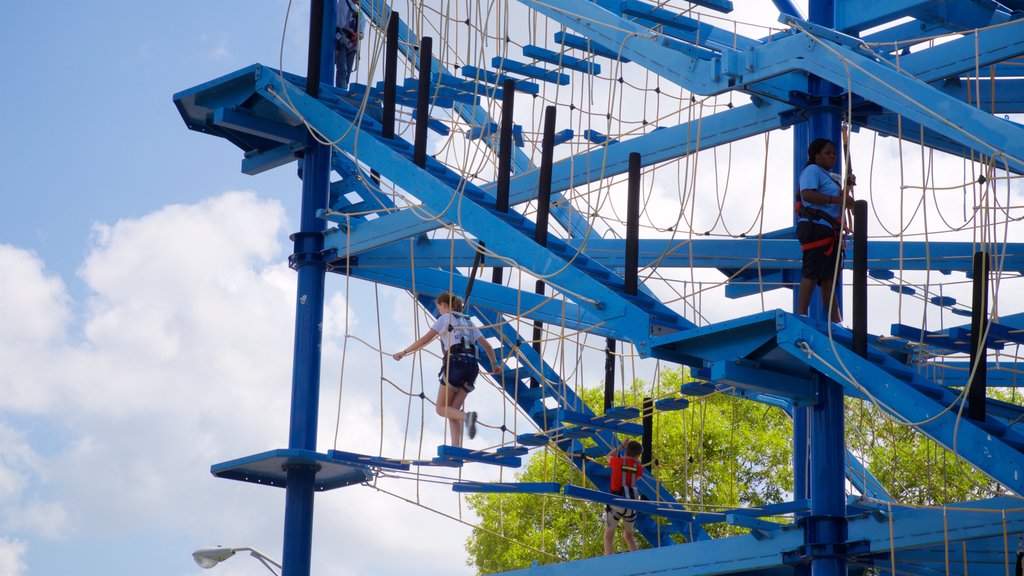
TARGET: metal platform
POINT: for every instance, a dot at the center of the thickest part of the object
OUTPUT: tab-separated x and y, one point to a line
271	469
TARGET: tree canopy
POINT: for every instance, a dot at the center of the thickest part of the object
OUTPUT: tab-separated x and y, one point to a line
721	452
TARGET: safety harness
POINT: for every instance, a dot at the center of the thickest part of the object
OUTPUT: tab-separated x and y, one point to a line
813	215
629	490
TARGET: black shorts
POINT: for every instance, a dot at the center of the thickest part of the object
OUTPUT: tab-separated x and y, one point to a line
459	371
819	262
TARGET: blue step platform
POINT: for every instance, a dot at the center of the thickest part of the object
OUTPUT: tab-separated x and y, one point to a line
459	455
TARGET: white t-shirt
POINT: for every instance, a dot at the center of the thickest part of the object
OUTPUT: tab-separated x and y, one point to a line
461	330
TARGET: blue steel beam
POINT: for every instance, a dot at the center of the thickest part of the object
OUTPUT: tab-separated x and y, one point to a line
854	17
773	254
980	447
873	80
597	164
598	299
487	295
979	527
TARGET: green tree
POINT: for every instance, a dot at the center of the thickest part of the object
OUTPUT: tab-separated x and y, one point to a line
721	452
914	469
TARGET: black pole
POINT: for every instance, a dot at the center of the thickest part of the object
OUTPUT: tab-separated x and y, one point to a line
979	363
632	225
609	373
477	261
316	44
419	150
504	158
648	437
538	334
390	77
547	155
860	278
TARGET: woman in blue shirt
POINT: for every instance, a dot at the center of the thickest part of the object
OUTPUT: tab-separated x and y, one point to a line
820	226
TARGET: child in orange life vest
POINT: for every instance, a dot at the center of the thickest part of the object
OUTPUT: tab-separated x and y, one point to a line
625	472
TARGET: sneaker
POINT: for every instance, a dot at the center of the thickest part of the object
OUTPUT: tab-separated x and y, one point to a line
471	424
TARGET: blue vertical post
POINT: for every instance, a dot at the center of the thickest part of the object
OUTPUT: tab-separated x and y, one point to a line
800	143
826	525
309	307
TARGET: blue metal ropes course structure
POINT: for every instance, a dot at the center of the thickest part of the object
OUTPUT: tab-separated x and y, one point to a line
870	64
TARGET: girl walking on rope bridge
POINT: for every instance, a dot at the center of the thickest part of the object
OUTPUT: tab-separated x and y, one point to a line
459	341
821	226
625	472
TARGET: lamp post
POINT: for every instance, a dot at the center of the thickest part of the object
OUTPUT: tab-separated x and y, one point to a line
210	557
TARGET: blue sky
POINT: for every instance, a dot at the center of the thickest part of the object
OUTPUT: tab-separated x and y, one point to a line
146	307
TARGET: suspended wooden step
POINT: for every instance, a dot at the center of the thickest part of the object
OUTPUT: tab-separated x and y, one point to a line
563	136
481	75
459	455
603	422
538	439
903	289
697	389
543	74
598	138
371	461
670	404
587	45
509	487
559	59
998	334
959	341
512	451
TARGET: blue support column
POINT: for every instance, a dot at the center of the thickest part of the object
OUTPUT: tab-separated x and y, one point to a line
800	488
309	307
826	526
825	534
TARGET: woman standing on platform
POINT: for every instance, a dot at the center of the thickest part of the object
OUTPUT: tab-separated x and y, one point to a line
821	226
460	367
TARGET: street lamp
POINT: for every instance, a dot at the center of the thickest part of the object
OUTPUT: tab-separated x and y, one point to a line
210	557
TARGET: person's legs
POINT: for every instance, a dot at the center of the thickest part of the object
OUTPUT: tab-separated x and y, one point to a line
627	533
447	396
343	58
609	531
827	297
803	295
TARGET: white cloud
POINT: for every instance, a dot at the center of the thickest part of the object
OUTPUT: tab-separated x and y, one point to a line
12	554
181	359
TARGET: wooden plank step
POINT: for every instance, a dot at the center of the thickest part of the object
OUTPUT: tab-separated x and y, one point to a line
538	439
515	67
509	487
598	138
670	404
371	461
560	59
512	451
459	454
490	77
602	422
587	45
